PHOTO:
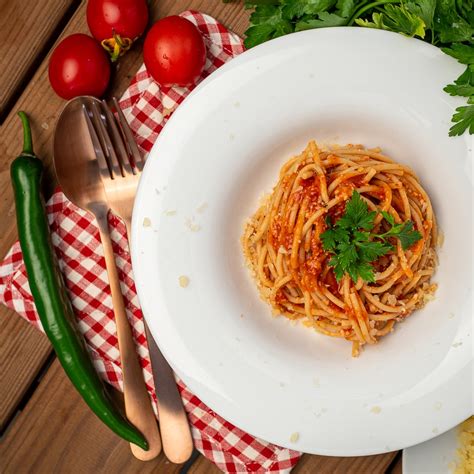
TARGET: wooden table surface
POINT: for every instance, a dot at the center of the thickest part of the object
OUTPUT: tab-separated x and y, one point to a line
45	426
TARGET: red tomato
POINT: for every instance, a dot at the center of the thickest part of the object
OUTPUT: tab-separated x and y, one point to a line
79	66
117	23
174	51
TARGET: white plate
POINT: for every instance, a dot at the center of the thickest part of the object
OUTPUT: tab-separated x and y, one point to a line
223	147
436	456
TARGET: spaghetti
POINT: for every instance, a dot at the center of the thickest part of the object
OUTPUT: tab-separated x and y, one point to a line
283	248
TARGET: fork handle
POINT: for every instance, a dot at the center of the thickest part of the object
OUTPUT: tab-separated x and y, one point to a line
174	424
137	401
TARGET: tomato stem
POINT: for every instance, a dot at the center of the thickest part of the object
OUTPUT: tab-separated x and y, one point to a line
116	46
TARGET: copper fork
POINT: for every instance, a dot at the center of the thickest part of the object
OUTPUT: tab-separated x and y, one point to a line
120	164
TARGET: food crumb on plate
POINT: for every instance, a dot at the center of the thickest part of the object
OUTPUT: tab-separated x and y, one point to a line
170	212
191	225
316	382
294	437
457	344
438	406
435	430
375	409
202	208
146	222
440	240
183	281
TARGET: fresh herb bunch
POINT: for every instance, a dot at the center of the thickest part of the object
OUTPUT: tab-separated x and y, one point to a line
354	247
448	24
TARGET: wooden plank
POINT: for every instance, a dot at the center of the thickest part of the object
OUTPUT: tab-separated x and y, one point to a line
204	466
21	359
22	350
58	433
40	102
350	465
396	467
26	29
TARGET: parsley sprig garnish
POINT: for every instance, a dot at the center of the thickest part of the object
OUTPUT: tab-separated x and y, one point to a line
354	247
448	24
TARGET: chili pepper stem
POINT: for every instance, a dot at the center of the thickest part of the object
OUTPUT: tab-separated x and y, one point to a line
27	139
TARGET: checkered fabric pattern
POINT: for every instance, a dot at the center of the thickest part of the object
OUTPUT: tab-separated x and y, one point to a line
76	240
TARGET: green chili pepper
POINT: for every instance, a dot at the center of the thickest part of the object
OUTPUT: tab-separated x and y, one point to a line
50	294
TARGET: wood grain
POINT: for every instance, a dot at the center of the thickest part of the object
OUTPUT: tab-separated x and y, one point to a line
396	467
26	28
350	465
43	107
58	433
25	351
21	360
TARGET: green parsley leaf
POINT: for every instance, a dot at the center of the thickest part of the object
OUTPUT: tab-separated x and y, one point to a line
424	9
357	215
294	8
449	26
267	23
255	3
370	251
354	247
338	270
396	18
353	271
331	237
408	236
375	23
324	20
346	254
464	84
349	241
345	8
463	120
462	52
388	217
404	232
366	272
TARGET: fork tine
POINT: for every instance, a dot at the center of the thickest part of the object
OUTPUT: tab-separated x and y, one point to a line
99	153
117	140
98	121
129	139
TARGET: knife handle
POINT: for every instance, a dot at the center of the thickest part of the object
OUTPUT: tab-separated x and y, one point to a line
174	424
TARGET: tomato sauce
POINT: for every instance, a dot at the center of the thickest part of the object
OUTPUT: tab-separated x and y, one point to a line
331	282
280	297
358	181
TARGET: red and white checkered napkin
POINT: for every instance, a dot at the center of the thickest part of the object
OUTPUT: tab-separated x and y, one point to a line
76	239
